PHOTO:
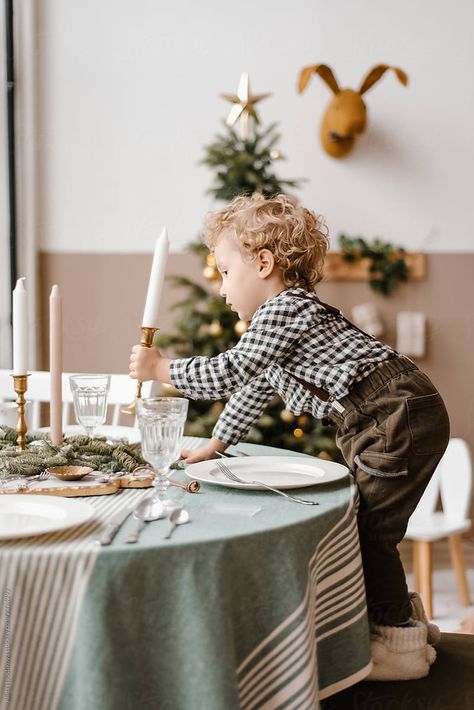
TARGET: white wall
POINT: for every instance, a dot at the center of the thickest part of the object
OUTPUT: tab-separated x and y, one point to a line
129	97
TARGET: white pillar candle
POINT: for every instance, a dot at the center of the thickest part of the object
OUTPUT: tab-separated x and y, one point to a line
20	328
155	285
55	365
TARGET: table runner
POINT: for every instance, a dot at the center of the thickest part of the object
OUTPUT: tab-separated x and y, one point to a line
277	660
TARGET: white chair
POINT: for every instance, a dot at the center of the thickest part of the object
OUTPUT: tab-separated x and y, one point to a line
452	482
122	393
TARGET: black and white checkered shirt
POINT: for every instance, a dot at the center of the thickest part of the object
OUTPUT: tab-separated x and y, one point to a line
291	336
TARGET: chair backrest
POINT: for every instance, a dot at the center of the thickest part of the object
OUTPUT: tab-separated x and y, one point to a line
122	392
456	480
429	500
452	481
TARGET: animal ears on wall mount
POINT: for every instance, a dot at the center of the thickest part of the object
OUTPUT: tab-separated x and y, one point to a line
346	114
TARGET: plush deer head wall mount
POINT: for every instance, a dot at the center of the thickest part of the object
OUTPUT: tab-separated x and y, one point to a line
346	114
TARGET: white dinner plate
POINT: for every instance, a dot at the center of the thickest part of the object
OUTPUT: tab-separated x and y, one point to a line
23	515
277	471
132	434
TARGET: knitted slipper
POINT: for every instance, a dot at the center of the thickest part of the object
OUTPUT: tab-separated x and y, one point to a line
419	614
400	653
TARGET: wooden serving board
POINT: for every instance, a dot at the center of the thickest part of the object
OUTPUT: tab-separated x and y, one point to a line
85	487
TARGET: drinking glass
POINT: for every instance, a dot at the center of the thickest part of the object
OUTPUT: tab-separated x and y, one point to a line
89	394
161	421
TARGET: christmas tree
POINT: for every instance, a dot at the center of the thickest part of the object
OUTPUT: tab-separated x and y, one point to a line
205	325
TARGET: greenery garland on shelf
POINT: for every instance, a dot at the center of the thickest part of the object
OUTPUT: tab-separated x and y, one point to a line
387	267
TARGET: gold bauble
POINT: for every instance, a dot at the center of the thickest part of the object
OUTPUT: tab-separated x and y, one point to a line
298	433
240	327
303	420
286	415
210	273
214	328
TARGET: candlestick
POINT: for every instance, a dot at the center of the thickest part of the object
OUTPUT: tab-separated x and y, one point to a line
20	385
155	284
55	366
20	328
146	339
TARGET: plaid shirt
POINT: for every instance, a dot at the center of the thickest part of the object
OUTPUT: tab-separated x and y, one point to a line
291	335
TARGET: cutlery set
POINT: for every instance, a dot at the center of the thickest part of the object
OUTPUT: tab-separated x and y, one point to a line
142	513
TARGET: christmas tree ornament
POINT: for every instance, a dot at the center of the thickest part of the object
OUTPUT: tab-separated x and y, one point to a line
210	271
244	105
286	416
215	329
298	433
240	327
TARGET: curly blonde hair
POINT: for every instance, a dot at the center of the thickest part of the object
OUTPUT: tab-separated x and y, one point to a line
296	236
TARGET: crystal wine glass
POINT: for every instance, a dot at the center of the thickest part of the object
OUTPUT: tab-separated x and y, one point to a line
161	421
89	394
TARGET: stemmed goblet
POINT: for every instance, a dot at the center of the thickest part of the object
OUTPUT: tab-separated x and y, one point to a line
89	394
161	421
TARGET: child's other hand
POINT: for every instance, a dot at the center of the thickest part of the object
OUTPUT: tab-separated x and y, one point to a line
204	453
144	363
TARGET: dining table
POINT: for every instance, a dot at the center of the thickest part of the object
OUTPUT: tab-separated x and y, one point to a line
257	602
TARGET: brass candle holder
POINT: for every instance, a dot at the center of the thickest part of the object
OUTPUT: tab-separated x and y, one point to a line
20	385
147	335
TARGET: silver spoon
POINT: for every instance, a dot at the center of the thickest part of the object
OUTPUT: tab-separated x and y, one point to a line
143	513
178	516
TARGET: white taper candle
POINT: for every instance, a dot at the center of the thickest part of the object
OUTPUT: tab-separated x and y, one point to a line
56	365
20	328
155	285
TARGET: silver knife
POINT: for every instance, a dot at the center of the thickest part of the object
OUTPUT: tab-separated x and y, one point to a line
114	526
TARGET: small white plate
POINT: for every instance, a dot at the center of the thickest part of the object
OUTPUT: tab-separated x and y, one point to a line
132	434
283	472
23	515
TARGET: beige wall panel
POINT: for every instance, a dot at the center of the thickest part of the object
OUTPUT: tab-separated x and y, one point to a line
104	297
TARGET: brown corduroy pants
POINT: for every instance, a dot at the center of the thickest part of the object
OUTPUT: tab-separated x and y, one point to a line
392	434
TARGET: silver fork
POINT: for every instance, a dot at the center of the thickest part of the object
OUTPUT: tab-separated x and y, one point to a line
232	477
26	484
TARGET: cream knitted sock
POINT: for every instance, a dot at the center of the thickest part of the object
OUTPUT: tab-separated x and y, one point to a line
419	614
400	653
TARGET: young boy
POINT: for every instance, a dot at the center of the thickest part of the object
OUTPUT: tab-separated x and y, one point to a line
392	426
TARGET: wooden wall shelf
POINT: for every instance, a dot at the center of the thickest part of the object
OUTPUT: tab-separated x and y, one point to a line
338	269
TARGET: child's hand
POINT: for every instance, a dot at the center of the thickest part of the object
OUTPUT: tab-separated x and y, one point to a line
204	453
148	364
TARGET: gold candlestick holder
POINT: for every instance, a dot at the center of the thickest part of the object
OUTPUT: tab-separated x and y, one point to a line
147	335
20	385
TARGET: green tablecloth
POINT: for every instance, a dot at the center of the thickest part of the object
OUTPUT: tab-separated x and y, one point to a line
235	611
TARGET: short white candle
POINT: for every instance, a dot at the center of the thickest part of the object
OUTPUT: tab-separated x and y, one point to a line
155	285
55	366
20	328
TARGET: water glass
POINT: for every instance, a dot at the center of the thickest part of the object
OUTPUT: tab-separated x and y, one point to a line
89	394
161	421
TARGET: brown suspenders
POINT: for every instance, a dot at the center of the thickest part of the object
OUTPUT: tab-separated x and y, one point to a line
319	391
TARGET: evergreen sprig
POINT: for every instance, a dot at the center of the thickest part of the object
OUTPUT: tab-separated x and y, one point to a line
387	263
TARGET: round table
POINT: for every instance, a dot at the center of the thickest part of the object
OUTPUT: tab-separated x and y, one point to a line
258	602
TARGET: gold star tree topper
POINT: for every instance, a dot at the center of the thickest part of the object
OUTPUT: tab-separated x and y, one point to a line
244	105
